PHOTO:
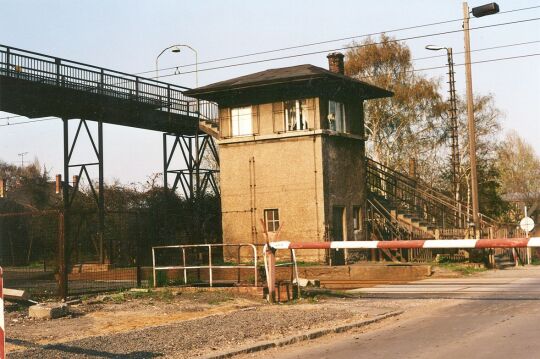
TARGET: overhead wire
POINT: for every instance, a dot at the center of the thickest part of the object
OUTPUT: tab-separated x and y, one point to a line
408	71
346	48
369	76
350	47
31	121
481	49
330	41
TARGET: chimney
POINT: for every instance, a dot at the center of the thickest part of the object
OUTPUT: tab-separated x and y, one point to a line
58	184
75	180
335	63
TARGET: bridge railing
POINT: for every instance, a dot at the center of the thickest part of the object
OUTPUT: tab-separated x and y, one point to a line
55	71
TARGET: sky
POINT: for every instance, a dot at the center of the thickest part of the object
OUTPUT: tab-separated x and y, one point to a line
128	35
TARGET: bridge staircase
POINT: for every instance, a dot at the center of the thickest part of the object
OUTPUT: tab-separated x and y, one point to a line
209	126
401	207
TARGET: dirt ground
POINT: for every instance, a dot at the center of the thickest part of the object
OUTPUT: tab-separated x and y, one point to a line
177	324
119	312
184	323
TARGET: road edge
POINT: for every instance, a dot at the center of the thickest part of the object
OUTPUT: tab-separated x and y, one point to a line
313	334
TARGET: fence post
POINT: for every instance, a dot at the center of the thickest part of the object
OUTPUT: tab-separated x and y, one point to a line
169	99
8	60
138	259
101	81
2	326
210	264
154	267
57	62
137	88
62	256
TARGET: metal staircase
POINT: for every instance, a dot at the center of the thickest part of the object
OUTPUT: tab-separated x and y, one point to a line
412	208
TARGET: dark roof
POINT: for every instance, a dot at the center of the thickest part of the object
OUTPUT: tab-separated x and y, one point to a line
286	75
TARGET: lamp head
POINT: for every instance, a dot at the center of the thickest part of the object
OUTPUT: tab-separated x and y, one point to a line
434	47
175	49
484	10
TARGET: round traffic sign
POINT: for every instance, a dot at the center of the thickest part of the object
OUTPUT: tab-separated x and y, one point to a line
527	224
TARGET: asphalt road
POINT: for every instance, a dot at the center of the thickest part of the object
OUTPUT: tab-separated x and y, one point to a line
496	315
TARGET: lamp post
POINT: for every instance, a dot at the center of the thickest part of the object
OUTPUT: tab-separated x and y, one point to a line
176	49
479	11
453	120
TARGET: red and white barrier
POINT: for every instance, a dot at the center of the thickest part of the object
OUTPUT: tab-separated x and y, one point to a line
2	326
270	249
440	243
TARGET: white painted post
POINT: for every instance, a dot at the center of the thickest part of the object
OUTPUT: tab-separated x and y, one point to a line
154	266
270	253
210	263
185	270
255	263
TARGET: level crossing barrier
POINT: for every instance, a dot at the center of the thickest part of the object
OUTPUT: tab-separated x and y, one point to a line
270	249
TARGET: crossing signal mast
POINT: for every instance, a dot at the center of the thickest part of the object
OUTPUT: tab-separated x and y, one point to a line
453	119
21	155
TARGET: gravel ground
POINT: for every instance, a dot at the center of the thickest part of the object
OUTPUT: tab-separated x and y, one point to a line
187	339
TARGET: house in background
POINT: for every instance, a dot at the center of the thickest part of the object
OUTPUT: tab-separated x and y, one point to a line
292	151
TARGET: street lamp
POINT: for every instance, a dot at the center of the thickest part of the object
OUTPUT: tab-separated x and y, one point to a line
479	11
453	117
176	49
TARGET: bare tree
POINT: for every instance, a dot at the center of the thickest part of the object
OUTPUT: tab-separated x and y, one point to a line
519	168
409	124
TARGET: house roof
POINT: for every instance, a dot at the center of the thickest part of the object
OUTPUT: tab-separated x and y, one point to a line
309	75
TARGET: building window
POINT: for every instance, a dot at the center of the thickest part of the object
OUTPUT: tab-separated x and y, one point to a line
357	218
271	216
296	115
336	116
241	121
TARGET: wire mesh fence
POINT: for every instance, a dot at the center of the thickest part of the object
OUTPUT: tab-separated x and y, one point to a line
28	251
120	257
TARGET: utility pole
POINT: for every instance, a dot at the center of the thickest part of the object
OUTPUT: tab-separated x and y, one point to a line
470	117
479	11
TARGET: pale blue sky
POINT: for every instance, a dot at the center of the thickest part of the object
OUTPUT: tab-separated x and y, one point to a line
127	35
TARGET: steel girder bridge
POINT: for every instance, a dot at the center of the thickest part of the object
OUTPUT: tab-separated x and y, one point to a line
36	85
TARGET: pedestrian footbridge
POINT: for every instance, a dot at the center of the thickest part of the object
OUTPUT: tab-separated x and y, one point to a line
38	85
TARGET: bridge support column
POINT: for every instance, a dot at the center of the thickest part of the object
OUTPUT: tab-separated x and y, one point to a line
69	193
199	163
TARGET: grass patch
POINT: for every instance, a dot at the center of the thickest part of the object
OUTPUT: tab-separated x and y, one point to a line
315	292
463	269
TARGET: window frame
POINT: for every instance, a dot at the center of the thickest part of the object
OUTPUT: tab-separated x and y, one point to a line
272	221
357	218
236	129
339	122
301	108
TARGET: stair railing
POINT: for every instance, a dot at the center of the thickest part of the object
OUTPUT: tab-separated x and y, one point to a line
413	195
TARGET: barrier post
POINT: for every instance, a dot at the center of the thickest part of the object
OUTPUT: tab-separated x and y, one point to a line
2	326
271	280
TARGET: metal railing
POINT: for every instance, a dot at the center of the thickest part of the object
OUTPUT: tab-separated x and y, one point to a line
413	195
184	267
54	71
